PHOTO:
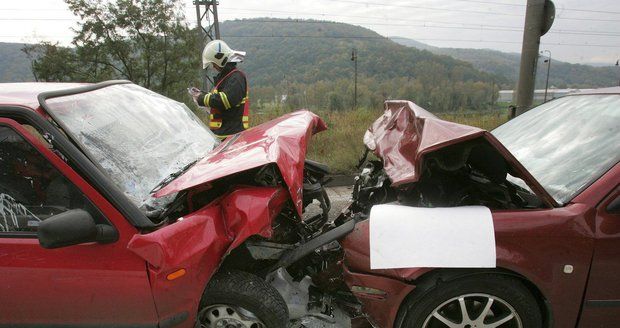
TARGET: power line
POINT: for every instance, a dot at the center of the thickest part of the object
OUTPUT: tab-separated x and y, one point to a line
523	5
421	39
520	28
591	11
470	11
427	8
405	6
369	3
424	24
38	19
376	37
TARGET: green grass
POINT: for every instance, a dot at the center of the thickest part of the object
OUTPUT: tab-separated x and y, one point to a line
341	145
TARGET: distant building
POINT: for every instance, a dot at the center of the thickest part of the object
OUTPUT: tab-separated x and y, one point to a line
539	95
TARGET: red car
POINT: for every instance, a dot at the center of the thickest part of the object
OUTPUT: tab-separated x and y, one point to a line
118	207
551	180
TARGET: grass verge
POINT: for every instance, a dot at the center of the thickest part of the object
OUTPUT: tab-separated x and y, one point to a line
341	145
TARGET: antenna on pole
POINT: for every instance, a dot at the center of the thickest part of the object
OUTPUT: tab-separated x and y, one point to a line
207	21
354	59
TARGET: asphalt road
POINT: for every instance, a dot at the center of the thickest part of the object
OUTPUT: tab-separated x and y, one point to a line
340	197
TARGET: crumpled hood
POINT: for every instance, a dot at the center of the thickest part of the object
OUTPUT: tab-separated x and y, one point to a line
406	132
282	141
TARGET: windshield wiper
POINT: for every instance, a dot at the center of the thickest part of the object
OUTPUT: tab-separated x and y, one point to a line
173	176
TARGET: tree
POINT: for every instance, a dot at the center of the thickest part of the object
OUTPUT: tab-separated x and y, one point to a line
51	62
145	41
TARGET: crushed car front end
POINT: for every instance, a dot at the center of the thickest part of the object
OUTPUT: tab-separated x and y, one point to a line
542	236
206	207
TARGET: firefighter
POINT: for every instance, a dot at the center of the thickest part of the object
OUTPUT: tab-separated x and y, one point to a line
228	100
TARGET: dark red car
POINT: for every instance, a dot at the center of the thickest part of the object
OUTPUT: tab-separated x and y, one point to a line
119	208
551	180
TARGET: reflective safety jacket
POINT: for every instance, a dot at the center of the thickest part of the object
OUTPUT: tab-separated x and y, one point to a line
229	102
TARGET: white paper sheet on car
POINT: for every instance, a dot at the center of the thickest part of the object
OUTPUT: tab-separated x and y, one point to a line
408	237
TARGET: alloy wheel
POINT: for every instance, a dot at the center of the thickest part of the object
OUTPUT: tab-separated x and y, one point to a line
228	316
474	311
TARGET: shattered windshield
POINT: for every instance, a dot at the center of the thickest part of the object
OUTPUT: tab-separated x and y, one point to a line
568	143
137	136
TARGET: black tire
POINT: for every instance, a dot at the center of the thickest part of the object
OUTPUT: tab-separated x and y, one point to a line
245	290
417	309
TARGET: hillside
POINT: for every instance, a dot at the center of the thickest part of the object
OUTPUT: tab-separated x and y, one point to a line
562	75
14	66
309	59
314	50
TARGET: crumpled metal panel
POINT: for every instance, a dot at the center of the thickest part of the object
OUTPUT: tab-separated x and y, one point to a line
282	141
250	211
405	132
200	241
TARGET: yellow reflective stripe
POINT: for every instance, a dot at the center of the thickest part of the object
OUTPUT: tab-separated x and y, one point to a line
243	101
225	100
215	124
246	119
207	98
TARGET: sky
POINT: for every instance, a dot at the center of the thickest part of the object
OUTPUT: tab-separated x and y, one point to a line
586	32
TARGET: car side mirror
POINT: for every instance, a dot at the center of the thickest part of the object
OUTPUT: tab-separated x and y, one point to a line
73	227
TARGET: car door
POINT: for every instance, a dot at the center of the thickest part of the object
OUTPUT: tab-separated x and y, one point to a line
86	284
601	306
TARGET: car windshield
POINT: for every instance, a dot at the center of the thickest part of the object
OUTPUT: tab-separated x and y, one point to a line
568	143
138	137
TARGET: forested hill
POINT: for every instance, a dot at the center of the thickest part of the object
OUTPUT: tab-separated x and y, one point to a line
562	75
309	59
14	66
309	51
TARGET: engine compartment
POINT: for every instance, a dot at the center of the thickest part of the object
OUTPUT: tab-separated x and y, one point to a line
467	173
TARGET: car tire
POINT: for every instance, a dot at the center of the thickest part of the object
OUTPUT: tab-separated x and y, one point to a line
243	300
432	306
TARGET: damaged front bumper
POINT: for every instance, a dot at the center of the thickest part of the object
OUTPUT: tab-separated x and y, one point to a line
380	296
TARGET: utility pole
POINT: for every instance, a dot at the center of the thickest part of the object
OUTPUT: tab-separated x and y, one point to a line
618	66
354	59
493	94
539	16
206	18
548	61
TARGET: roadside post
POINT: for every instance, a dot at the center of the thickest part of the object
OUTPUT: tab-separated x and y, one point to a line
539	17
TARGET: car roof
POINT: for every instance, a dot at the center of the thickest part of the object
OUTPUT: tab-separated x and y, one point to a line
601	91
25	94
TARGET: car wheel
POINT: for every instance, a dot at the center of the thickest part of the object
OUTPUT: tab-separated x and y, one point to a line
241	300
479	301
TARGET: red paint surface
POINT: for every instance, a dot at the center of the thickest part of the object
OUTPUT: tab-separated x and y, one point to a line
405	133
110	284
199	242
80	284
535	244
381	310
604	279
282	141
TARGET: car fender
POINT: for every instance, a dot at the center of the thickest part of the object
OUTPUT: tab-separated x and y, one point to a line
183	256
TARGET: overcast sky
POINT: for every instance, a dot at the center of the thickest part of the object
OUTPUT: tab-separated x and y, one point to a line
584	31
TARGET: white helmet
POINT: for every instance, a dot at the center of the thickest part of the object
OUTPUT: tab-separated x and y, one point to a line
219	53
